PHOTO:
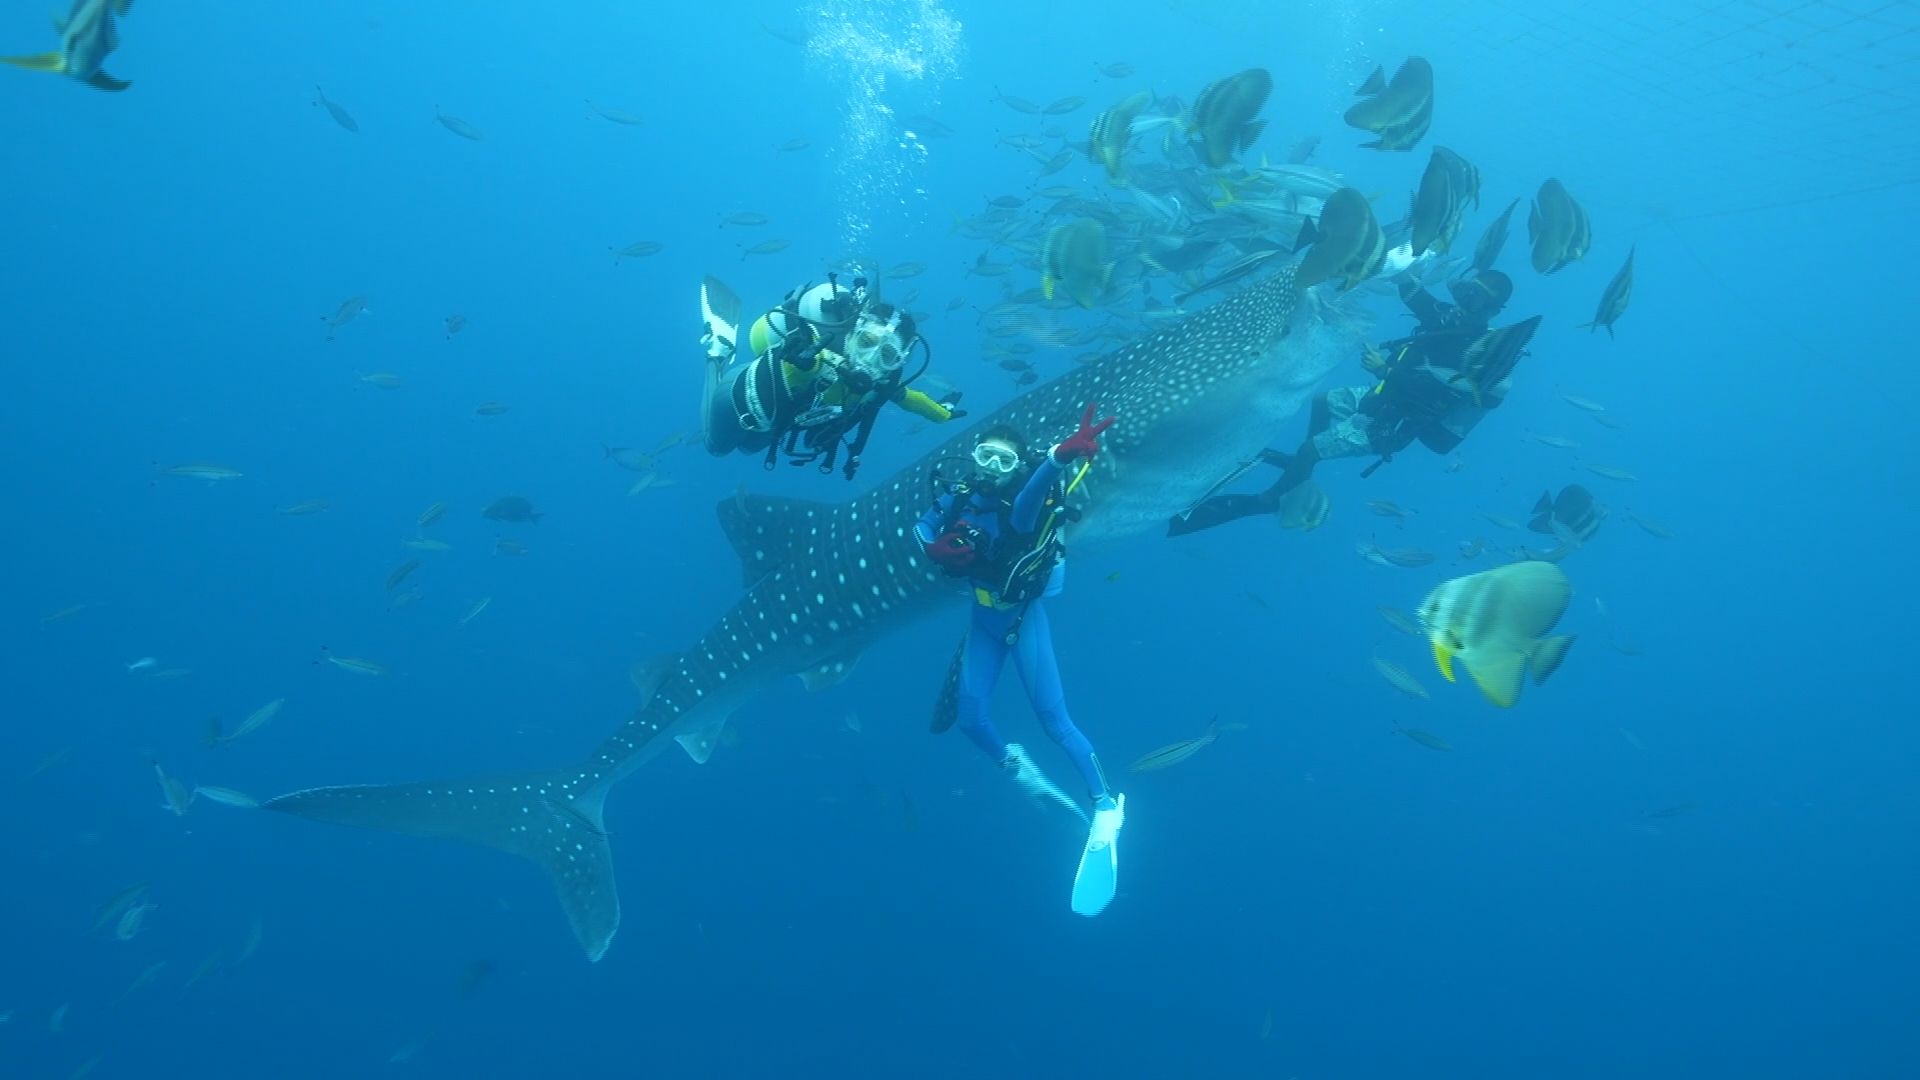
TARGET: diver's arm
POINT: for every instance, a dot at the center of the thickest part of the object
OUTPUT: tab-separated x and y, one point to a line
936	516
920	404
1027	504
1431	313
799	348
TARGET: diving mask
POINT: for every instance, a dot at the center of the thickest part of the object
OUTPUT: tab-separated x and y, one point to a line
996	458
875	347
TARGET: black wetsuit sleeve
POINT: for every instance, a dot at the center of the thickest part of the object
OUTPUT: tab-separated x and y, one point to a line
1431	312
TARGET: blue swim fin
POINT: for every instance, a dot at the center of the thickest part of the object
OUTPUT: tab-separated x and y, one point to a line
1099	874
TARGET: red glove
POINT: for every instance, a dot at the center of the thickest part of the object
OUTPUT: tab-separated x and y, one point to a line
953	549
1085	442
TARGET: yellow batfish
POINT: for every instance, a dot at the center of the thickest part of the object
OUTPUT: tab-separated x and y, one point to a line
87	36
1495	622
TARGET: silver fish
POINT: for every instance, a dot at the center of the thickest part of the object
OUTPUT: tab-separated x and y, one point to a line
227	796
457	126
1397	677
178	796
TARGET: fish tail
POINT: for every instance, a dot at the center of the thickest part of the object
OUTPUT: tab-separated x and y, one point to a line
52	63
536	816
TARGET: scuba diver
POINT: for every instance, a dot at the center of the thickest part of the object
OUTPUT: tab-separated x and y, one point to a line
824	362
1434	385
1000	528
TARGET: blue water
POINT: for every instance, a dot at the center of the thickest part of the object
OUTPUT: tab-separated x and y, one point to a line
1311	897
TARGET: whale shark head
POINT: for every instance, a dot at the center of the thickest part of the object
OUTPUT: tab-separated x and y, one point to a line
823	581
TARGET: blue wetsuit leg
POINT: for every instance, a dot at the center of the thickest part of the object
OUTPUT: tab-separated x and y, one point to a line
979	671
1033	655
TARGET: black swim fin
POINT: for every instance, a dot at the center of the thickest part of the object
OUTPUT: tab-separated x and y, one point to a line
946	710
1219	510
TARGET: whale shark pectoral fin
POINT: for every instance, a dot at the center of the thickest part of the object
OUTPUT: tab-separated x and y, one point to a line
534	816
699	741
829	674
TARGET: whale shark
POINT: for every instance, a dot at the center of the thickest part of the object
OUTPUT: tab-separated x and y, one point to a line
1196	400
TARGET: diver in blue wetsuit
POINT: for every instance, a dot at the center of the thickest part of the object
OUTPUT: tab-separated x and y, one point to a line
1001	529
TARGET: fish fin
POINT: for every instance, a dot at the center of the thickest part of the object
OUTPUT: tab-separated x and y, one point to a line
531	815
765	530
1309	233
829	674
1500	677
700	741
122	7
1046	286
946	709
1377	144
1443	657
1546	656
1609	331
52	63
647	675
1250	132
1375	83
100	80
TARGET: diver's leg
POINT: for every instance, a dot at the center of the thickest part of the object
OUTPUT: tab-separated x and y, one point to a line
987	650
986	653
1096	879
1296	469
1040	671
719	424
1218	510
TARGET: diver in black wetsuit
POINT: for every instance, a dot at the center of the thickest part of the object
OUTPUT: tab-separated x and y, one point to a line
1434	386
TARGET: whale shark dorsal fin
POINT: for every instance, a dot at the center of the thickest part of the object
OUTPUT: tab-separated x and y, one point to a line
647	675
767	530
